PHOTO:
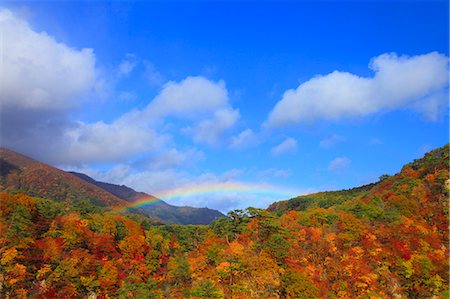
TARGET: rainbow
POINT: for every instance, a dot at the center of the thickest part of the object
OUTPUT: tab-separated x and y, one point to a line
210	189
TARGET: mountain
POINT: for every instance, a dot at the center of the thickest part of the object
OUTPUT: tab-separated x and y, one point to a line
429	172
158	209
21	174
121	191
324	200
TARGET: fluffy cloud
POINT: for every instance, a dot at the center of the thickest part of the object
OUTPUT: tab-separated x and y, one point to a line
43	81
339	164
210	130
135	132
246	138
172	158
416	82
38	73
288	145
191	98
100	142
199	100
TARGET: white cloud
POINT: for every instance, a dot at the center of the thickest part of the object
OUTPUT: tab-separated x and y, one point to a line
331	140
433	106
288	145
245	139
39	73
41	81
44	80
210	130
191	98
199	100
172	158
416	82
100	142
135	132
339	164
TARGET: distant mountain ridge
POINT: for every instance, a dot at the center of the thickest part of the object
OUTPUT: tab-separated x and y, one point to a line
436	160
158	209
121	191
22	174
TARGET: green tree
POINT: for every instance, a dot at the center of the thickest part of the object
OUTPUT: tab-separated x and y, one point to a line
206	289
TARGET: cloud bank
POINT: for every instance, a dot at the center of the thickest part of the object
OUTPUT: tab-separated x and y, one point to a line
190	98
416	82
38	73
43	82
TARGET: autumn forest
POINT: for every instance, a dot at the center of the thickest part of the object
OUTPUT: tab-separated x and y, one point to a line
384	240
233	149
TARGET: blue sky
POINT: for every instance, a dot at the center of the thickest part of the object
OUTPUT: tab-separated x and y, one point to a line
294	96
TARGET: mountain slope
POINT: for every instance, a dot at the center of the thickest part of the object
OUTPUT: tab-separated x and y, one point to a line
121	191
158	209
418	184
324	199
19	173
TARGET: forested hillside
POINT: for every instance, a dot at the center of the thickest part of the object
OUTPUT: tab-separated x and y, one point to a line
386	240
21	174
